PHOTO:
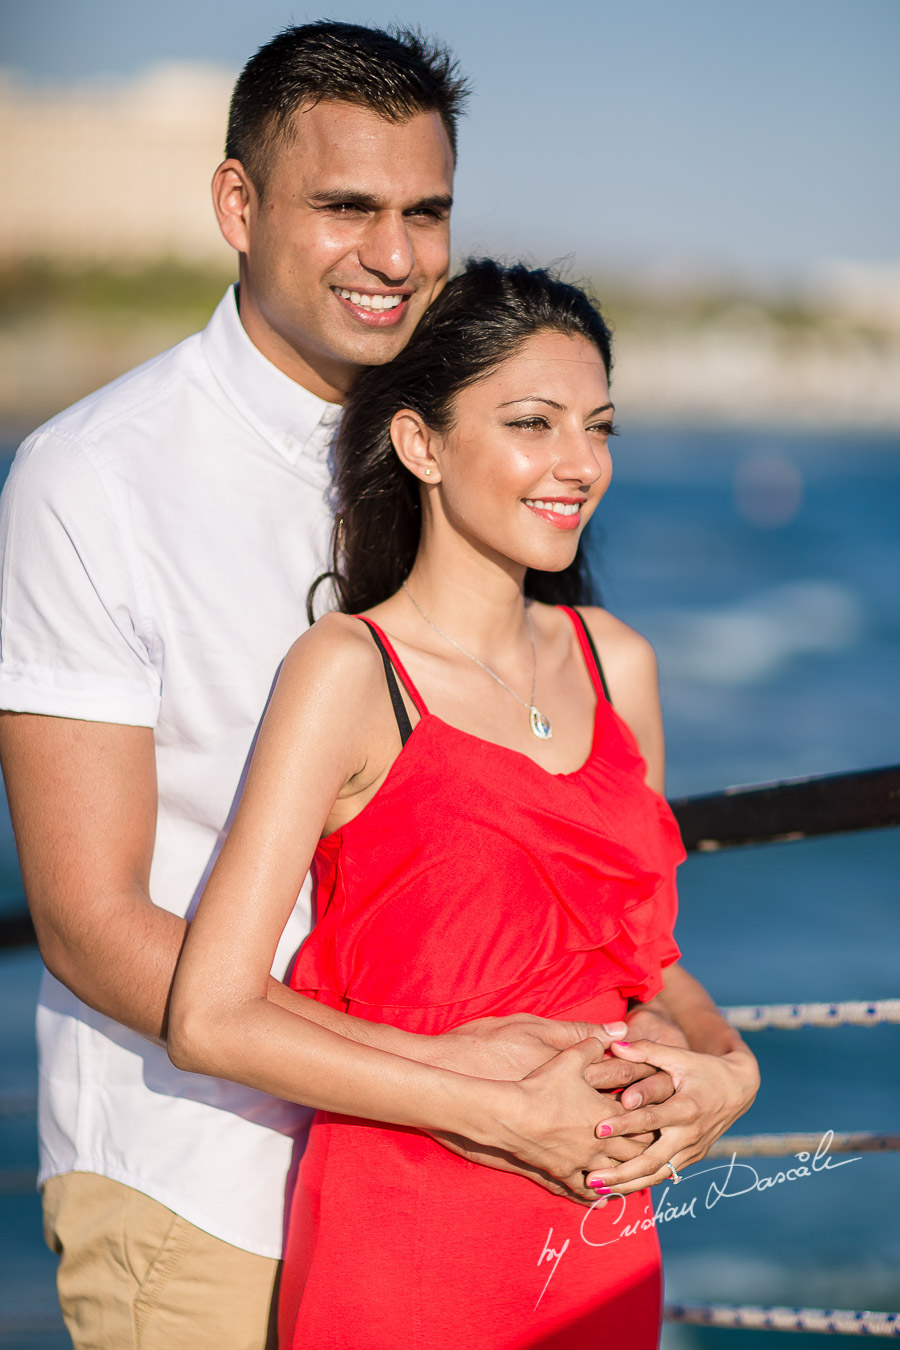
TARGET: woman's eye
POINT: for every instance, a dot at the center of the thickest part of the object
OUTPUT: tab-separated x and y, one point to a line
530	423
605	428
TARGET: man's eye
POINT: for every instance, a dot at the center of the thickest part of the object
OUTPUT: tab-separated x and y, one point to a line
345	208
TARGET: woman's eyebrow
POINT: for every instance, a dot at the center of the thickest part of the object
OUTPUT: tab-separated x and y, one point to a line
534	398
560	407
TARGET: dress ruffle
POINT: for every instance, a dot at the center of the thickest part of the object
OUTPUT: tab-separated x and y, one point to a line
537	890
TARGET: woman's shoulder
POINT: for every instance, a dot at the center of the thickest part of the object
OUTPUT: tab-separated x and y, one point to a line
629	664
622	649
336	655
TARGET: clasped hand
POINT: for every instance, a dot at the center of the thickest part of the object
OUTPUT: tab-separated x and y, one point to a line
557	1123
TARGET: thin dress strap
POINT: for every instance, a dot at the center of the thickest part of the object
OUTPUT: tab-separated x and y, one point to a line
393	663
591	655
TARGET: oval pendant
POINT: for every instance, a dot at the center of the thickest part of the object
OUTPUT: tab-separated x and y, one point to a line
540	725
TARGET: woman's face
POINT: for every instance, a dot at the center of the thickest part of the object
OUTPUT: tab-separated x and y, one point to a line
526	460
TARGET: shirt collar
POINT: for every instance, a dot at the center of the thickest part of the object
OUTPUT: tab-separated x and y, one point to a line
292	420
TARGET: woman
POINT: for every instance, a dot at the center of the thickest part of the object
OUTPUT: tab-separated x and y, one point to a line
480	799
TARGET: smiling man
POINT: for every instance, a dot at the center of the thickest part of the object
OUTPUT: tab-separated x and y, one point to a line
343	234
158	542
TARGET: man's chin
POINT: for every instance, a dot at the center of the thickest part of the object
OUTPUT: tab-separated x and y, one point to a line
379	347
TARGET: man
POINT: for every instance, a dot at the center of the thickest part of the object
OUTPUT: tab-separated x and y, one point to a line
158	542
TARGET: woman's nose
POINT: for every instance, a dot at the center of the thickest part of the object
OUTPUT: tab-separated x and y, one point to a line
582	459
386	248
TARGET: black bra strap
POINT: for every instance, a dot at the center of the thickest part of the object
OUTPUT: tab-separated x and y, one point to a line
595	654
403	723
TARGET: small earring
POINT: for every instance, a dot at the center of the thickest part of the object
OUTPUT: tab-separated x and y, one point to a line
427	473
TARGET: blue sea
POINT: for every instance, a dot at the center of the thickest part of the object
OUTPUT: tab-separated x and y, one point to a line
765	567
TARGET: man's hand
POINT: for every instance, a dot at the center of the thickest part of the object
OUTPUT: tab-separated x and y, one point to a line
508	1048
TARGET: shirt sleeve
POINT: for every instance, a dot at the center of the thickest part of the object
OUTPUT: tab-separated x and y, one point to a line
74	641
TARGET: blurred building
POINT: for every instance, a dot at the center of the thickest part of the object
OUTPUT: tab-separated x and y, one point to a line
115	175
112	172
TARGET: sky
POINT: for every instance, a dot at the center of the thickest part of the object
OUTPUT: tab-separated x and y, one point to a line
700	137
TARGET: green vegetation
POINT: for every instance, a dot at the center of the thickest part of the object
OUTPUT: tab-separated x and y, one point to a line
168	289
161	290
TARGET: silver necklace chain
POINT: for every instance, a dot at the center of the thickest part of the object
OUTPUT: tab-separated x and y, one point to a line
540	725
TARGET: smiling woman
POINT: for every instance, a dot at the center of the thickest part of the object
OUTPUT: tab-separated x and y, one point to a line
398	416
472	860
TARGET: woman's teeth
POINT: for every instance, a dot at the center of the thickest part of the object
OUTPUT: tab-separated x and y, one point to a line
365	301
561	508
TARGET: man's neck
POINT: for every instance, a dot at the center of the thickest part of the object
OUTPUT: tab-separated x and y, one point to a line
330	383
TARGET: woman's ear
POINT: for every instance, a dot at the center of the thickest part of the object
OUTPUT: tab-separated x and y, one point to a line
415	444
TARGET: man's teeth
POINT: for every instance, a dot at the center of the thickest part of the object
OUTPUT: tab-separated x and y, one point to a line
365	301
561	508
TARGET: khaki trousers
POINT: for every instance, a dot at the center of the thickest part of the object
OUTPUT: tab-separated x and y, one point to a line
134	1276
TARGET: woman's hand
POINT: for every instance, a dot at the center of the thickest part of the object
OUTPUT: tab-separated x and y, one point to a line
545	1124
619	1150
650	1022
711	1092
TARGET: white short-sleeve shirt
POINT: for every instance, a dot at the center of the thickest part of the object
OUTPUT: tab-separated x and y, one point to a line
157	541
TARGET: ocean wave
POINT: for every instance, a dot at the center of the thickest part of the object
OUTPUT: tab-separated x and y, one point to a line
755	639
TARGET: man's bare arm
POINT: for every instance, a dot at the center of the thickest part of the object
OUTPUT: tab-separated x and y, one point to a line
82	797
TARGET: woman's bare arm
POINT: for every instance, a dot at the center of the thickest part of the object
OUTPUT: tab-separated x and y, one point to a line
309	761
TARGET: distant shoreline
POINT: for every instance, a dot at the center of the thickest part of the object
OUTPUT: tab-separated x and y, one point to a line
708	360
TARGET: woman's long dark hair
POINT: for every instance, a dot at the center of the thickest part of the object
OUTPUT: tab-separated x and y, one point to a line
481	318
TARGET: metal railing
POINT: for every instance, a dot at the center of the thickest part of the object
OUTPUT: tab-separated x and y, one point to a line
763	813
771	813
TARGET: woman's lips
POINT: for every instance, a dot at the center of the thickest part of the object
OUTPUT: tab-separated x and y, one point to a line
367	313
562	515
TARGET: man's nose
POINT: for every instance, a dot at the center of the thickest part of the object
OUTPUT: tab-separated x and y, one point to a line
386	247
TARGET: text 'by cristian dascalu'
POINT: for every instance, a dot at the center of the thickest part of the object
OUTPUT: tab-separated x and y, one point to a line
740	1178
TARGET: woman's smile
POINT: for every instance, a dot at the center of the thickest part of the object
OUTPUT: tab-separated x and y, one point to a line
563	513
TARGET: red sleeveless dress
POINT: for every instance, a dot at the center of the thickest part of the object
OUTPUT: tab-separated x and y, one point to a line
476	884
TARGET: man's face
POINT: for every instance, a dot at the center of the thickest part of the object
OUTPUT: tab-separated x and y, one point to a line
349	243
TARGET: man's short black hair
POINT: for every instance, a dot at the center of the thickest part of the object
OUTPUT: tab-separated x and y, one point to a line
396	73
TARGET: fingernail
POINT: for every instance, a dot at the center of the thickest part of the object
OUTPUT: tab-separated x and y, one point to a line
599	1186
628	1043
614	1028
605	1130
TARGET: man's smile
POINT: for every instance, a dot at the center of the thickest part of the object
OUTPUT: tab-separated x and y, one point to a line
376	308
